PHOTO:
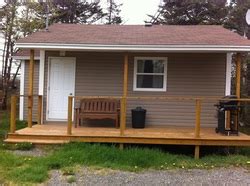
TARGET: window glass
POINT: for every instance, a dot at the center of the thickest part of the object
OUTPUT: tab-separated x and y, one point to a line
150	66
149	81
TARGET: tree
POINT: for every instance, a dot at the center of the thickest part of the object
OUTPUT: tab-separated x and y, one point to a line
29	19
113	15
236	17
8	29
75	11
17	20
191	12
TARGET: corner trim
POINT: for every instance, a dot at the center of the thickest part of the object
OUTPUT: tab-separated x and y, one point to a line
41	77
41	72
21	107
228	74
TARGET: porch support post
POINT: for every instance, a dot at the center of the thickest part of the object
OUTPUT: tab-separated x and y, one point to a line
124	97
197	117
70	105
197	126
31	80
13	114
39	114
238	74
197	152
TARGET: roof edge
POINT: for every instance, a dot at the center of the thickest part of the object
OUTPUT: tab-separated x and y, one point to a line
141	48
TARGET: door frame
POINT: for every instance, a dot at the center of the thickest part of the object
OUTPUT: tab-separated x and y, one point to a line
48	83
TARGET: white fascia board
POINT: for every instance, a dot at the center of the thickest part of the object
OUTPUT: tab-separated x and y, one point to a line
142	48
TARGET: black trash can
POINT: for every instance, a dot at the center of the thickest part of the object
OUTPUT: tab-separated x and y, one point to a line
138	117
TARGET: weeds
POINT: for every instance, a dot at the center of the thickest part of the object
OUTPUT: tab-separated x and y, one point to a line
20	169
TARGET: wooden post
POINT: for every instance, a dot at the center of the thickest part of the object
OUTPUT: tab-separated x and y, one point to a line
124	98
197	117
197	152
39	116
122	117
70	104
13	114
30	100
121	146
31	80
238	74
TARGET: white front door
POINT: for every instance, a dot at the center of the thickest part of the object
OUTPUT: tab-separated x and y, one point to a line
61	84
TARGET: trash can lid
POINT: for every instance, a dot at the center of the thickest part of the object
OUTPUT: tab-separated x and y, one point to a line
230	97
139	109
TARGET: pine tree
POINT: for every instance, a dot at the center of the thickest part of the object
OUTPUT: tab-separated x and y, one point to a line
236	17
191	12
75	11
113	13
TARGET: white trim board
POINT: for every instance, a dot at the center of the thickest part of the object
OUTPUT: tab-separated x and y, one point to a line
137	48
41	72
228	74
21	104
164	89
41	77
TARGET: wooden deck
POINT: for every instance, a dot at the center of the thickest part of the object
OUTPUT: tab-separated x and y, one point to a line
56	133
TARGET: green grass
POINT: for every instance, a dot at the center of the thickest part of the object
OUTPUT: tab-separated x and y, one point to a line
4	129
4	125
20	169
29	170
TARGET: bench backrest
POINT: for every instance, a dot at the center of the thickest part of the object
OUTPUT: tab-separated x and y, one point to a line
99	105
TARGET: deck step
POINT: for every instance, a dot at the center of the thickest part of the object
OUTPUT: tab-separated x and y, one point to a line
38	137
35	141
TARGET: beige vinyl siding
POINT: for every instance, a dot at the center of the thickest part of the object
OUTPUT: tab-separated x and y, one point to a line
35	90
187	75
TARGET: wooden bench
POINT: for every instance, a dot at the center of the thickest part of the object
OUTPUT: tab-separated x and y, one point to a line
98	109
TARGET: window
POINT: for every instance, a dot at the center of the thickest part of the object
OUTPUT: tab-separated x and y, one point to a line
150	74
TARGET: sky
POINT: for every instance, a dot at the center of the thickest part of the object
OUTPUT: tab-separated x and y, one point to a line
133	11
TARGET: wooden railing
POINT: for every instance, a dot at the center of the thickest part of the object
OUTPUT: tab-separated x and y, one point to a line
14	100
198	106
198	101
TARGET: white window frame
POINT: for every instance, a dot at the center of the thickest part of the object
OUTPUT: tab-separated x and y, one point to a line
164	74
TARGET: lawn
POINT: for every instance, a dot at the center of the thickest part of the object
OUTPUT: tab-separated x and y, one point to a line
25	170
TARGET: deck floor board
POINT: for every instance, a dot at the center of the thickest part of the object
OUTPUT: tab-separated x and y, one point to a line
104	134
